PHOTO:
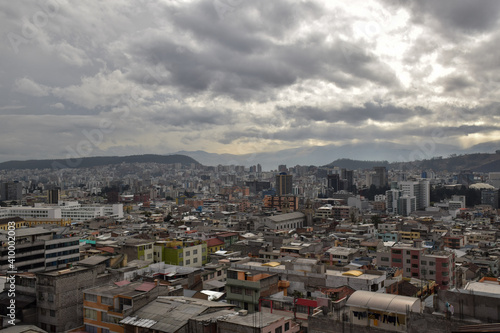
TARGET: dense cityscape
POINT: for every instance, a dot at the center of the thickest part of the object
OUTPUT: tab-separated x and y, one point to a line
132	246
231	166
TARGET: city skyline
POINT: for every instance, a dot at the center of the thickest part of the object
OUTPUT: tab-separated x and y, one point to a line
229	76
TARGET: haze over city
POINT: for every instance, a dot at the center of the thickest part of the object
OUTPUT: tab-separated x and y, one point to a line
244	77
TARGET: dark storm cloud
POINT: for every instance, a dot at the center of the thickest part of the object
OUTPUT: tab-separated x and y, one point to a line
247	58
354	115
190	117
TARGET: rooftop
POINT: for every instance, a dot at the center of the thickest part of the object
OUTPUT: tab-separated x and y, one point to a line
383	302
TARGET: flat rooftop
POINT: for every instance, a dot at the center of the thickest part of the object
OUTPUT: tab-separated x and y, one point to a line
363	276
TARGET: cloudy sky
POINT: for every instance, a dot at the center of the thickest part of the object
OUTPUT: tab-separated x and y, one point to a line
86	78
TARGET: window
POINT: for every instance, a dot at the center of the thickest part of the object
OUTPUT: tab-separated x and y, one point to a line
236	290
51	298
52	313
278	330
106	300
408	261
287	326
150	255
424	262
248	292
90	329
188	253
195	252
43	311
414	257
396	251
444	264
414	265
396	260
180	254
232	274
408	252
90	298
445	273
195	260
384	259
188	262
91	314
219	273
431	263
431	272
408	270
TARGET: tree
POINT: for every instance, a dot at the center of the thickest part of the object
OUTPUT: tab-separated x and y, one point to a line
376	220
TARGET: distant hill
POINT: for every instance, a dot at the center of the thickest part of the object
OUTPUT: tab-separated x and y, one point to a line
479	162
89	162
355	165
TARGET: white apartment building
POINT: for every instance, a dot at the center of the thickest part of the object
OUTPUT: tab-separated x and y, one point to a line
66	210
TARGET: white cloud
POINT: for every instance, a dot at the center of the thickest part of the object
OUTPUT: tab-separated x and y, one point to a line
29	87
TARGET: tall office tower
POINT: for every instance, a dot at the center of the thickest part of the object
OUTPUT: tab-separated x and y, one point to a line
418	189
349	176
379	179
53	196
259	168
333	183
283	184
11	191
391	200
490	197
406	205
282	168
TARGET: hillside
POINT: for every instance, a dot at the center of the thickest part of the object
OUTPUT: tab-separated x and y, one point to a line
478	162
354	164
89	162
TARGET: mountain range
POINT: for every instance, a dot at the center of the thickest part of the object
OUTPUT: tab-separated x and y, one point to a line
88	162
481	158
376	152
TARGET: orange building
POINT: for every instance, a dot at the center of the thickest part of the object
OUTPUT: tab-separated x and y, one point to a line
106	305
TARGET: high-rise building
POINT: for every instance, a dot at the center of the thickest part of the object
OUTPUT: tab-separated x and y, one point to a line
333	183
53	196
418	189
490	197
391	200
11	191
379	179
284	184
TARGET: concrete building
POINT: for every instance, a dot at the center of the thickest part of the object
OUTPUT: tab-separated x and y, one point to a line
138	249
416	262
39	249
285	221
284	184
105	306
170	314
418	189
11	191
60	294
181	252
490	197
340	255
244	289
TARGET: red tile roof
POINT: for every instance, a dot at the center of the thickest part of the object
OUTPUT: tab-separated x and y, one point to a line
214	242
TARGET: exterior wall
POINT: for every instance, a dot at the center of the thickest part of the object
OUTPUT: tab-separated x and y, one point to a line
60	297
